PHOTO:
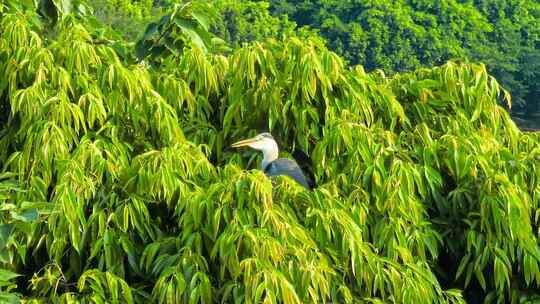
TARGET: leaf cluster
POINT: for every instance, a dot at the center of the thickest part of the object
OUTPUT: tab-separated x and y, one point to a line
406	35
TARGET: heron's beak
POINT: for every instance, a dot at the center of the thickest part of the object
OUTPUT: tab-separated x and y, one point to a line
245	142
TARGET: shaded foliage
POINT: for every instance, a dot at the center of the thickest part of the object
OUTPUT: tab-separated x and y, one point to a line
126	17
245	21
187	23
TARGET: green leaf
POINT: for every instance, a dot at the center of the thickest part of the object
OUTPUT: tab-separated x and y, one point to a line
6	275
27	216
5	233
203	20
9	298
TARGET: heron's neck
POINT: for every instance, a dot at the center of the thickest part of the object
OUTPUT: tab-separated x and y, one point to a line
270	153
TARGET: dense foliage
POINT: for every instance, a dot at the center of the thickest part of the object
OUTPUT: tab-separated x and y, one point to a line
246	21
389	35
117	185
405	35
126	17
393	36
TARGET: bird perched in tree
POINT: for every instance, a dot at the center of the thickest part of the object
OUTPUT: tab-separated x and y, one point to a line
271	164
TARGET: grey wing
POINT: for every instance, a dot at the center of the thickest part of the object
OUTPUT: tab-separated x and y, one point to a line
288	167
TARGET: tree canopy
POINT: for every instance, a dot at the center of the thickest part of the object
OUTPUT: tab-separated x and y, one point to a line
405	35
117	183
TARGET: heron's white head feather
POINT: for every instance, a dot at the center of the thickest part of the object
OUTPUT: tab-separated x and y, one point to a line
263	142
268	147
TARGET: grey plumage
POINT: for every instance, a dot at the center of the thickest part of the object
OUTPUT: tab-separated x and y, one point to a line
288	167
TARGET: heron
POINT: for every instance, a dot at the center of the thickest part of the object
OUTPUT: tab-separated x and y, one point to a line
272	165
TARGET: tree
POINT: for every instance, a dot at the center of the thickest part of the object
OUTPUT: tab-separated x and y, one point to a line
117	185
245	21
406	35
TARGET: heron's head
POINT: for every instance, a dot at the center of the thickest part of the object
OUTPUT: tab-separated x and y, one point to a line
262	142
